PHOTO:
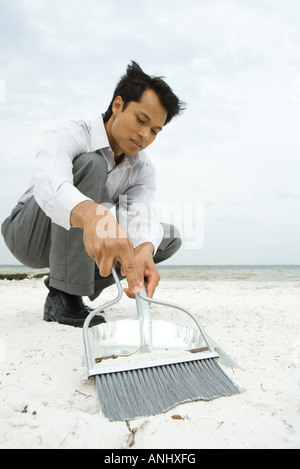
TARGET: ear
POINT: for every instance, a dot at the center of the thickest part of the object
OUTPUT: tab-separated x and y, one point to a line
117	105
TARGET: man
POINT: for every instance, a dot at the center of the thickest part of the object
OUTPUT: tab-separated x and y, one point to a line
63	222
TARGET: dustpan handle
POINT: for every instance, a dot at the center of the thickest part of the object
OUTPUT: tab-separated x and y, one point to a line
88	320
181	308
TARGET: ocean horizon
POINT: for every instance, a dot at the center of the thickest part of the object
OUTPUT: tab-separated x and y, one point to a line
258	273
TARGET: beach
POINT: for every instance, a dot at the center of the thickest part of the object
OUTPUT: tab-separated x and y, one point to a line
47	402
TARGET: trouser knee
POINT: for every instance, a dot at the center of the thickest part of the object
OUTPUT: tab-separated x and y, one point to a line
170	244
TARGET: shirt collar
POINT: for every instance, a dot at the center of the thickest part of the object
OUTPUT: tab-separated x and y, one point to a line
99	140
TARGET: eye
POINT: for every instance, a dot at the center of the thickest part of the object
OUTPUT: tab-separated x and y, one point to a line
154	133
140	120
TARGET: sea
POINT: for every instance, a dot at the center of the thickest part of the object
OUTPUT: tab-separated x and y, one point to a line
255	273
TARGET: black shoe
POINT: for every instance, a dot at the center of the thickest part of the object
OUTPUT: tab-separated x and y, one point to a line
67	309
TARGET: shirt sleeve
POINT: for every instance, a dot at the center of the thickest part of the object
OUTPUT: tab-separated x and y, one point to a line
53	177
136	211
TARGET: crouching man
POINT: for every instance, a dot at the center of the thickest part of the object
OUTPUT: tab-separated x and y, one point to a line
83	167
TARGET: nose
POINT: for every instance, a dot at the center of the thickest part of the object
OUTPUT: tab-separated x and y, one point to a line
144	133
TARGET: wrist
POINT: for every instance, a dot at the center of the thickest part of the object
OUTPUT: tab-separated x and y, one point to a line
83	213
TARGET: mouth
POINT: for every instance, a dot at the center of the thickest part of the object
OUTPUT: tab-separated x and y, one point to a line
136	144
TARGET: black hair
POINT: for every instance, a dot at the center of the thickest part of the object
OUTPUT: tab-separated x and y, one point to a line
132	85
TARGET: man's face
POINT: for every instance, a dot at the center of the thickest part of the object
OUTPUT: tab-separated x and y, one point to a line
135	128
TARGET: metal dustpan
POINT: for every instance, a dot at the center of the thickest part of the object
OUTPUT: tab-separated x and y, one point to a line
145	366
128	337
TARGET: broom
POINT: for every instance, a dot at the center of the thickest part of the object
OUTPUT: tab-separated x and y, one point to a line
141	388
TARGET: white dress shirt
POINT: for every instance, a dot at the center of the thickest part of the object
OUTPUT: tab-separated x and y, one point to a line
133	179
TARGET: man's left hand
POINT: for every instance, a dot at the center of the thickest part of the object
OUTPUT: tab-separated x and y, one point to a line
146	269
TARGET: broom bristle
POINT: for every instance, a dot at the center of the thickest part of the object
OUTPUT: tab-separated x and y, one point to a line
127	395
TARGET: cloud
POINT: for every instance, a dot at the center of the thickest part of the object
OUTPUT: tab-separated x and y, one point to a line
235	64
286	196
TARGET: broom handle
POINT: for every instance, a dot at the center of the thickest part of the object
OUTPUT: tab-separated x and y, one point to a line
145	318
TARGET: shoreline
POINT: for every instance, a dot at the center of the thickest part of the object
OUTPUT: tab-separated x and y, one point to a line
19	276
255	273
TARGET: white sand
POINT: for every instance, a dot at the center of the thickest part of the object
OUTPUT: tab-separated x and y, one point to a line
46	400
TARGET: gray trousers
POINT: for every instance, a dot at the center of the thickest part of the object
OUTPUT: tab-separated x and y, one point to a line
38	243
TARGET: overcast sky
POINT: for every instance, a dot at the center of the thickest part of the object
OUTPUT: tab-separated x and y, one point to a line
233	157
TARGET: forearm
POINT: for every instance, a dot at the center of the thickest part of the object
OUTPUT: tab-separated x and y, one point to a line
82	213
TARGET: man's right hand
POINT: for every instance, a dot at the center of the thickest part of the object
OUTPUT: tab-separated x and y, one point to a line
105	241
